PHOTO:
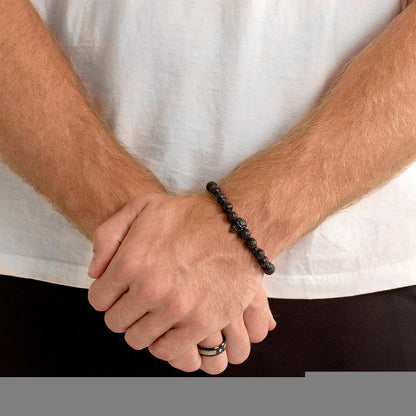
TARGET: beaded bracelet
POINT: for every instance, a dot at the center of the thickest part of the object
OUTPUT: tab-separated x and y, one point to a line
239	226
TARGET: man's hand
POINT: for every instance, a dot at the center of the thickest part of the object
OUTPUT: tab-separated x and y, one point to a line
251	327
177	275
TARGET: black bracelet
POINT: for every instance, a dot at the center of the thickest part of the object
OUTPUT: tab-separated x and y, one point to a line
239	226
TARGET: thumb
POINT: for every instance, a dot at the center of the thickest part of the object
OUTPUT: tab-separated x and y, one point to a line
108	236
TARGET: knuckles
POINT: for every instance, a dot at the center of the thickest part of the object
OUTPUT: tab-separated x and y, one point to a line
163	351
132	340
188	362
96	302
259	336
113	323
126	268
179	308
153	291
189	367
215	370
202	325
242	356
99	235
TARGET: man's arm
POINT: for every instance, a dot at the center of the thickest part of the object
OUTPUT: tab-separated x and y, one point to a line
49	133
360	135
357	138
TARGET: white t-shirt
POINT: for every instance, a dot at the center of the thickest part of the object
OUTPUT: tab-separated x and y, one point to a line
193	88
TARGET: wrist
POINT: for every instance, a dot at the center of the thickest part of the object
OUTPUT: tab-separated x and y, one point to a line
230	243
113	181
271	215
239	227
234	237
254	207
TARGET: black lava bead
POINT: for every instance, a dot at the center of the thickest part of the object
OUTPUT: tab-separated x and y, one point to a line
210	186
227	207
241	223
269	268
263	261
232	216
251	243
259	254
244	233
254	250
220	197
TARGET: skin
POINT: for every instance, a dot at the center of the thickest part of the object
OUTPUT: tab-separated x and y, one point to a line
360	135
48	125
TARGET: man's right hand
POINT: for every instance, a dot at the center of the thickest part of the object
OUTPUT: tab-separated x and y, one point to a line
250	327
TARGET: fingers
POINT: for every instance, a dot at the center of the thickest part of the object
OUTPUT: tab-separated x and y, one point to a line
147	330
117	279
237	350
258	318
108	236
104	293
125	312
238	342
170	345
216	364
189	361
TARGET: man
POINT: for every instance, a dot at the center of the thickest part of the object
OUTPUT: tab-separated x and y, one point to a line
227	93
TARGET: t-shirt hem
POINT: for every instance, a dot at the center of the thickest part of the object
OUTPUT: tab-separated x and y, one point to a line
335	285
45	270
283	286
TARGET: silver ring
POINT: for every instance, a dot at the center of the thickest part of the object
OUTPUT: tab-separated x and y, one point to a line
212	352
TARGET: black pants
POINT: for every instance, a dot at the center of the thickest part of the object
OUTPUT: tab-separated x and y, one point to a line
51	330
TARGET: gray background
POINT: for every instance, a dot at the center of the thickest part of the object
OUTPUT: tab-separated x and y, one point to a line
392	394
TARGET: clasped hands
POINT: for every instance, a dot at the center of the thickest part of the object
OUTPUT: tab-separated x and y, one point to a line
170	276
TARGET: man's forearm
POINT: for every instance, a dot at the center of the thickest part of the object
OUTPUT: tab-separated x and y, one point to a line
360	135
50	135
